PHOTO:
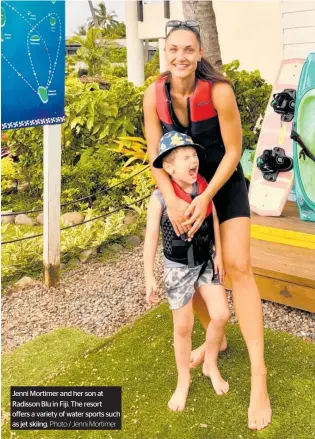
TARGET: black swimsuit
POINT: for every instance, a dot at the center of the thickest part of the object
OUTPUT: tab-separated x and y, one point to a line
231	201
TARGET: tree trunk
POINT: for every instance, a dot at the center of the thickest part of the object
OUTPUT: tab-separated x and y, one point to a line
202	11
146	50
96	23
93	14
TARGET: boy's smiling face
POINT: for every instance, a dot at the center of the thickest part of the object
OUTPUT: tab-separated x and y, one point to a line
182	164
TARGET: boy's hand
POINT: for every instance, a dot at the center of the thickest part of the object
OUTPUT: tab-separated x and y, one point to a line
150	287
219	267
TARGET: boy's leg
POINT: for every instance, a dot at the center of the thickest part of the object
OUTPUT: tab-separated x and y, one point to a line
201	310
183	320
218	307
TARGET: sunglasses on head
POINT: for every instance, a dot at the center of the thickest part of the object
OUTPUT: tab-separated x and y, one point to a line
178	24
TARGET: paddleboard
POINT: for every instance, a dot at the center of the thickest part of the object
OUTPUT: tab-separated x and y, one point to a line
304	125
268	198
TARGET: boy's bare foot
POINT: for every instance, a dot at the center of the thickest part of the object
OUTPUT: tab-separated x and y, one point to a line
259	412
197	356
219	384
178	399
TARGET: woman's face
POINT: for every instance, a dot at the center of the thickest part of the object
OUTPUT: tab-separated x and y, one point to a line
182	53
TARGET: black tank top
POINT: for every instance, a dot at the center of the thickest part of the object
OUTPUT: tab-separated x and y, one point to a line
209	137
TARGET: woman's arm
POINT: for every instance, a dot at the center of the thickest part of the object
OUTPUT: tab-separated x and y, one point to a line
153	134
224	101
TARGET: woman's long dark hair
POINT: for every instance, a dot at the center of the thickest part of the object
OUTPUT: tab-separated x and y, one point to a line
204	69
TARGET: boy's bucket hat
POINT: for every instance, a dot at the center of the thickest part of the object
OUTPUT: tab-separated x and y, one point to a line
172	140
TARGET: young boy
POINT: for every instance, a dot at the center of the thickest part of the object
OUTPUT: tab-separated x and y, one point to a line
187	265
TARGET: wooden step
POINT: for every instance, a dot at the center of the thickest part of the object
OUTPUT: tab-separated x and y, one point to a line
289	220
284	273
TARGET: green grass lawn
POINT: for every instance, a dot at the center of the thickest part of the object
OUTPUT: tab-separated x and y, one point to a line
140	359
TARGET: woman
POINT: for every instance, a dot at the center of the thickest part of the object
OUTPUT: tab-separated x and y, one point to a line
214	122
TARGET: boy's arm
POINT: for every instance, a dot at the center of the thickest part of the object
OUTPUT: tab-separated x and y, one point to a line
152	234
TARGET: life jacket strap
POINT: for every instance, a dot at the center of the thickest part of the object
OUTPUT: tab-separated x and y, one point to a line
190	251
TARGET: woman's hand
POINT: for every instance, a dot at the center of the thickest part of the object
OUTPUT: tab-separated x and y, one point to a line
198	210
176	214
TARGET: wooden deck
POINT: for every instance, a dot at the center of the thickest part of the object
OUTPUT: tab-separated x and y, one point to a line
283	258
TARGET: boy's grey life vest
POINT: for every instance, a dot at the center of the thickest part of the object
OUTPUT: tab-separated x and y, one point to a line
197	251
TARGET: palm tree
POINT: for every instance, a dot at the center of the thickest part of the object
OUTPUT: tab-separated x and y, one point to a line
105	19
203	12
94	18
81	30
91	53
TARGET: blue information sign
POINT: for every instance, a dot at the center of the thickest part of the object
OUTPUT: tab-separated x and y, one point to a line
33	63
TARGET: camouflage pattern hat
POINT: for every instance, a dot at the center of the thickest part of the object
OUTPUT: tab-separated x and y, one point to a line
172	140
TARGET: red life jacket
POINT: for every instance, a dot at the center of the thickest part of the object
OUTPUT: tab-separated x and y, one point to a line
200	108
202	186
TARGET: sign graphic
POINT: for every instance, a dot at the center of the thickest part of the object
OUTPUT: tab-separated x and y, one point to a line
33	63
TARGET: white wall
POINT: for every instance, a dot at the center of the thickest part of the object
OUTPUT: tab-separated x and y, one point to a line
298	28
250	32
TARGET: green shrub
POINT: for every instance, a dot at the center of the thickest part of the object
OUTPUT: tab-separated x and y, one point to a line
94	118
117	54
252	95
152	68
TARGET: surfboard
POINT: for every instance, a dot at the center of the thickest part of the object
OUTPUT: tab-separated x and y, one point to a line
268	198
304	125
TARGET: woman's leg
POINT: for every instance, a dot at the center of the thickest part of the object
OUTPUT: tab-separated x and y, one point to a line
201	311
218	307
235	238
183	320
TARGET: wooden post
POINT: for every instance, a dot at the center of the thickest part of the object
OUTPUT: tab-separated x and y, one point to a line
52	183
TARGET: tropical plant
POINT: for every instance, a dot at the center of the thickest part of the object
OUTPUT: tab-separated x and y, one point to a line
252	95
104	18
116	54
152	68
115	32
81	30
135	148
91	53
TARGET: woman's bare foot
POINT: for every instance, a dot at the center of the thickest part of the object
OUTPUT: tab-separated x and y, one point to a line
259	412
197	356
178	399
219	384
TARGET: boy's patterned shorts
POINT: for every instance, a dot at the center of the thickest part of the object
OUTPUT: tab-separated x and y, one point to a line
180	283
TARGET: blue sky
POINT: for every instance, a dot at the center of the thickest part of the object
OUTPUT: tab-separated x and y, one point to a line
78	12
